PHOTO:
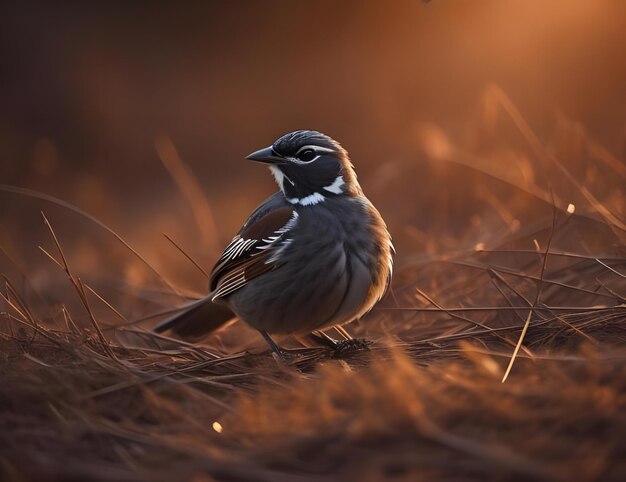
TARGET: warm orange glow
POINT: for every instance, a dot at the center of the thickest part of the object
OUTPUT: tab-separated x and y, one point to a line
490	134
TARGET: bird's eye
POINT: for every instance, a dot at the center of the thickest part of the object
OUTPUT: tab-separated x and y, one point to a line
307	155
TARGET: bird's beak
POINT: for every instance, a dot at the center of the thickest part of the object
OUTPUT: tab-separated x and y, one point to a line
267	155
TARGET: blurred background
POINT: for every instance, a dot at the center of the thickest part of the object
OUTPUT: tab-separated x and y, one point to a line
463	119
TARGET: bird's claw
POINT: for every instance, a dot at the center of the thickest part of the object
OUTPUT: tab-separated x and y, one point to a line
354	345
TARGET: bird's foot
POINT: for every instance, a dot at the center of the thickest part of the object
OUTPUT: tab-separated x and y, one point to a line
349	346
285	355
281	355
341	347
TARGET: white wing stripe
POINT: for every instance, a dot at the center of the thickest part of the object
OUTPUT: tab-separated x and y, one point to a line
238	247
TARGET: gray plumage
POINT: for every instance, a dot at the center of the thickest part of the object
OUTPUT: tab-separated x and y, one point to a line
315	254
306	292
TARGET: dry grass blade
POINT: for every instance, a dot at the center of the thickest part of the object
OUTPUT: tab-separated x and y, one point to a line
540	151
610	269
513	272
45	197
517	346
191	191
469	320
13	305
455	309
537	296
187	255
79	287
106	303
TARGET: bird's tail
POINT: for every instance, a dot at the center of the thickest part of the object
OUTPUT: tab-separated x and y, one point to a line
197	319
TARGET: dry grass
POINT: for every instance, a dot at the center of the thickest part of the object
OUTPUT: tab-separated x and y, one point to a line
433	410
88	392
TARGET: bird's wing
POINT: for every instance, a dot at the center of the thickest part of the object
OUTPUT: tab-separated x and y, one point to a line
255	250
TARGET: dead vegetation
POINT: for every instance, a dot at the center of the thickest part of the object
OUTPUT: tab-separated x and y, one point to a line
427	410
526	273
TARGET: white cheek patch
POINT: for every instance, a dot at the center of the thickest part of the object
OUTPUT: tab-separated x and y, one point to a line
337	186
280	177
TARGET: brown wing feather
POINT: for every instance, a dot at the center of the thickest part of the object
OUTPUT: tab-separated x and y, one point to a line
249	254
267	224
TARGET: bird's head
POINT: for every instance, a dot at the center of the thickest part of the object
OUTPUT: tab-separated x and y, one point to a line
309	167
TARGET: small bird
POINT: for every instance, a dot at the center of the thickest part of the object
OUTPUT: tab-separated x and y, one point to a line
316	254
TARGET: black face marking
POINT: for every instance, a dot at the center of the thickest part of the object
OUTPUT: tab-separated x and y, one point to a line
308	179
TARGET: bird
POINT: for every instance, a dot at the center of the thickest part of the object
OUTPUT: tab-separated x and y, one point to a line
314	255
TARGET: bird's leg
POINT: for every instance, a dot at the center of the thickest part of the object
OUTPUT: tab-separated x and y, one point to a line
343	332
323	339
275	348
